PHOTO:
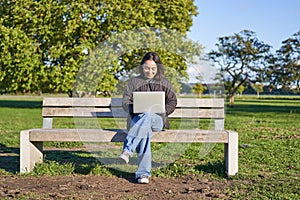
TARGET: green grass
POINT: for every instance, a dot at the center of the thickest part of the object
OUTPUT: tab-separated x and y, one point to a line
269	147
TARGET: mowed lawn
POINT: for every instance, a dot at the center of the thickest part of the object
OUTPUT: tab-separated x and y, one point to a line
269	146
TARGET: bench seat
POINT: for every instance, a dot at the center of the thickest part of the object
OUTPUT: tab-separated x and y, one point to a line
118	135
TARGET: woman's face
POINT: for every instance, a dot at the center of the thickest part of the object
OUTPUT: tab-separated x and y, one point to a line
149	69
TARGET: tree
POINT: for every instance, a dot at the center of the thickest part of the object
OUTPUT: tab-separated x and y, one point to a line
63	35
284	68
20	67
198	89
241	89
258	88
241	58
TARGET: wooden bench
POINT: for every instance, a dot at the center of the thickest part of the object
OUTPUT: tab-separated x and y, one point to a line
31	141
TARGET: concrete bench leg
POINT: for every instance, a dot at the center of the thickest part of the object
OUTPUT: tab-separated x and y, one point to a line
231	154
30	152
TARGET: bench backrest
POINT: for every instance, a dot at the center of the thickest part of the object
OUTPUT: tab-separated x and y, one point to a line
206	108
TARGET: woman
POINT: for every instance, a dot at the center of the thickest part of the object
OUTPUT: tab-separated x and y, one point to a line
141	126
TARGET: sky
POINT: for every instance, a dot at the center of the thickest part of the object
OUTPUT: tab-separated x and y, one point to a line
273	21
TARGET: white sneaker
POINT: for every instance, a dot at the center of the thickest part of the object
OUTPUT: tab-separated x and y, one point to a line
124	156
143	179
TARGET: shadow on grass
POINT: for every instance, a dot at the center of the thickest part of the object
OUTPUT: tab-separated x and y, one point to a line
217	168
263	108
9	159
20	104
83	164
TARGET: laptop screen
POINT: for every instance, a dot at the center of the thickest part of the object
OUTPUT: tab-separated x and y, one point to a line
150	101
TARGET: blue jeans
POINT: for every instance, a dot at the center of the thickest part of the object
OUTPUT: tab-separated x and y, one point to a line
139	137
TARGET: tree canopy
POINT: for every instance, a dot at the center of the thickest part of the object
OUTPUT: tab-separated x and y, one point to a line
44	44
241	58
284	66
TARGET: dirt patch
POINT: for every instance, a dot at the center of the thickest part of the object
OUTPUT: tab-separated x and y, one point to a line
103	187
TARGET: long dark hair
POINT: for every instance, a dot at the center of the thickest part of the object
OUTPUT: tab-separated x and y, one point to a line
155	57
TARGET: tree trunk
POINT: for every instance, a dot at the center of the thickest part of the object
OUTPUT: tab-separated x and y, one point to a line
231	100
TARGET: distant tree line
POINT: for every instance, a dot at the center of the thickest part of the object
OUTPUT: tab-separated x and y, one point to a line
245	62
200	89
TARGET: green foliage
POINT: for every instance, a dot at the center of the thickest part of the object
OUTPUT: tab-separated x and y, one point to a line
44	44
20	66
105	64
52	168
198	89
241	89
258	88
98	169
4	172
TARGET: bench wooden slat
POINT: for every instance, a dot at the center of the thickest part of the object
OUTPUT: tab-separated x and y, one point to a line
98	135
214	113
201	103
82	102
117	102
119	113
84	112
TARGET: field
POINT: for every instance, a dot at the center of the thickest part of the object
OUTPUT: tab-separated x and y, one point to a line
269	161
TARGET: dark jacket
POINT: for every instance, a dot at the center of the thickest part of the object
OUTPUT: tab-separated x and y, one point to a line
140	83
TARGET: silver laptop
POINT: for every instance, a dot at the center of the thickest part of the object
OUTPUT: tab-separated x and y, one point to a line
151	101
